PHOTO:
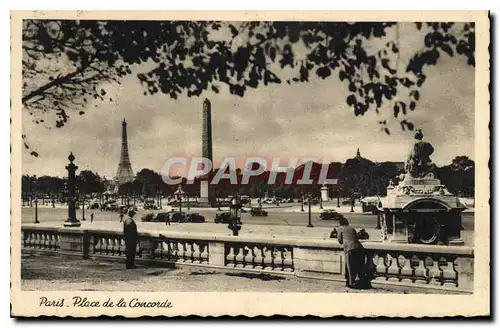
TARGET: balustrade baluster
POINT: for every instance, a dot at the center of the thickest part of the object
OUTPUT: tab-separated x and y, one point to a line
188	249
393	268
112	246
258	259
180	251
204	252
196	252
109	245
158	249
288	259
279	259
406	270
419	268
435	272
33	239
38	240
248	256
449	274
138	249
380	268
173	250
230	255
240	256
50	241
43	243
267	258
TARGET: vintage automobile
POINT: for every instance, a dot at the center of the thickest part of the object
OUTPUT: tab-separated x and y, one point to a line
149	204
179	217
195	218
149	217
370	204
330	215
258	211
224	217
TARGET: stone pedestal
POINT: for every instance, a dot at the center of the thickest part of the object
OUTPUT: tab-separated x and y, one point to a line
205	199
217	255
324	194
399	231
74	242
319	263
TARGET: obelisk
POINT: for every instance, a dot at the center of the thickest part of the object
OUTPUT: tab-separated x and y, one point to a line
206	152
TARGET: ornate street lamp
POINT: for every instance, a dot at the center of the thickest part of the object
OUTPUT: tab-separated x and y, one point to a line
235	212
178	194
72	221
36	203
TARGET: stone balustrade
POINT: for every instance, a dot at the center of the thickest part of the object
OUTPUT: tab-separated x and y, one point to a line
442	267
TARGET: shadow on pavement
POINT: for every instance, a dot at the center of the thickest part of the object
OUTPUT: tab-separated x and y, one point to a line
57	267
261	276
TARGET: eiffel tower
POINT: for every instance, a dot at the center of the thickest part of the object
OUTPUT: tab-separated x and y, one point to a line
124	173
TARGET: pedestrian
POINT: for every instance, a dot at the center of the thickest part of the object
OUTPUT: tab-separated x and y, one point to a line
121	216
167	217
130	236
355	256
91	217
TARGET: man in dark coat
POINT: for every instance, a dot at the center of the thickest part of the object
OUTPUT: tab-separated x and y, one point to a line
130	236
354	254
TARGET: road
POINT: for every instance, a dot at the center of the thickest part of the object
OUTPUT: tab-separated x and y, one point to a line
277	216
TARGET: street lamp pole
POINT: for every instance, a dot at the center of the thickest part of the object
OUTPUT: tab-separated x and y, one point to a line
83	207
309	205
302	200
72	221
36	209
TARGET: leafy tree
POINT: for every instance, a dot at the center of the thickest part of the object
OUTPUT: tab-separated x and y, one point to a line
459	176
66	62
126	189
89	182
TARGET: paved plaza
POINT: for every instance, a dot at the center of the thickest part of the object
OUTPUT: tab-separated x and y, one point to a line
59	272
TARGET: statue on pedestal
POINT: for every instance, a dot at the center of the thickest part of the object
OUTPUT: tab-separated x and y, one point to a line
419	163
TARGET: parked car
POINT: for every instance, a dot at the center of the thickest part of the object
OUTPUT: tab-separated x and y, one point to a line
224	217
195	218
258	211
330	215
150	217
180	217
150	204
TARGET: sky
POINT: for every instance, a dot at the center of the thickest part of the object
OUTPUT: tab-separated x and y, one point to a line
310	119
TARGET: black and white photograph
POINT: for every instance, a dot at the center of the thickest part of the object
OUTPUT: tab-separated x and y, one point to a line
250	163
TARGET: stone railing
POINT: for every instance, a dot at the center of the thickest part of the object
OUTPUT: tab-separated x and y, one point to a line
450	268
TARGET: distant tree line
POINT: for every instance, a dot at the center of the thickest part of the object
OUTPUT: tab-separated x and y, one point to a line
357	176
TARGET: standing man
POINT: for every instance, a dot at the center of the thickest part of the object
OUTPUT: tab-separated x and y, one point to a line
91	217
121	216
130	236
354	255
